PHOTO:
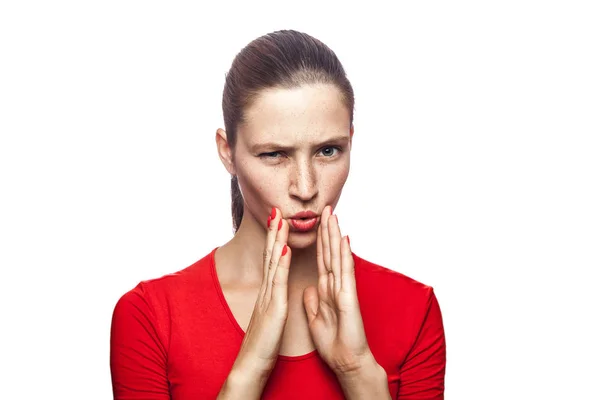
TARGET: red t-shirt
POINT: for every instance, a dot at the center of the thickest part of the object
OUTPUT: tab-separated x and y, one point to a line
176	338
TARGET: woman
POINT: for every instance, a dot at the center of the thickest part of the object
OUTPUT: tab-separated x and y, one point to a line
283	310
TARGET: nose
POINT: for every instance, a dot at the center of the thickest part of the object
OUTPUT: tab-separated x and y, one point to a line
303	181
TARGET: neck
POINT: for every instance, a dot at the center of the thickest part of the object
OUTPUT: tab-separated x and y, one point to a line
248	244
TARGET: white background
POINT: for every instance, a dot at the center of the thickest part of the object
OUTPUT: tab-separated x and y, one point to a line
475	169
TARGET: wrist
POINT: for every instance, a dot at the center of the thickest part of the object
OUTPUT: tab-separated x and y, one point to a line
250	372
243	383
366	367
368	381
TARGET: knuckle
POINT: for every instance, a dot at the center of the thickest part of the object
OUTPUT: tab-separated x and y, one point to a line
278	281
272	263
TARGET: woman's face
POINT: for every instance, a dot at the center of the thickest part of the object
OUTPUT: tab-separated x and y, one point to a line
293	153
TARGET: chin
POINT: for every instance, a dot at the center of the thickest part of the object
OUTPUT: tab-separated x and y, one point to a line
302	240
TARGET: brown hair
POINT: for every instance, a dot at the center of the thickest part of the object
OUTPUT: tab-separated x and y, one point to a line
286	59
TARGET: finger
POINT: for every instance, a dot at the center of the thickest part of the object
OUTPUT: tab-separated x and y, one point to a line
325	237
322	286
311	303
278	245
336	258
268	250
348	270
280	279
320	260
330	298
270	240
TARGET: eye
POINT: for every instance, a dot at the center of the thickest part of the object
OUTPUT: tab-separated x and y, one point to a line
272	155
332	147
267	155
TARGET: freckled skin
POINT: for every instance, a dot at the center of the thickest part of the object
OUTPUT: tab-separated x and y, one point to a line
308	179
310	176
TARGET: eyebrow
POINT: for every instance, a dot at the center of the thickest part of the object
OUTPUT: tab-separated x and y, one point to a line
259	146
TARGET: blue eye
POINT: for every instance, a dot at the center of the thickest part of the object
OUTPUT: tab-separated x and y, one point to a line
268	155
332	147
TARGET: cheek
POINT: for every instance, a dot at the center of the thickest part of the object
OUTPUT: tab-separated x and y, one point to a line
334	178
262	184
333	185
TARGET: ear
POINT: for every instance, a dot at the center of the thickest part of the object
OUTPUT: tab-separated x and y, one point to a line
225	151
351	134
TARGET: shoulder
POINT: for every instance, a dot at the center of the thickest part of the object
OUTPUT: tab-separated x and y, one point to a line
390	284
160	291
395	308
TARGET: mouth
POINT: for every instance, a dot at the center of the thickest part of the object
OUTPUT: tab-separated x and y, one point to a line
303	224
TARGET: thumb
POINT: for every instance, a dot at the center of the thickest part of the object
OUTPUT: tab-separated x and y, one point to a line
311	303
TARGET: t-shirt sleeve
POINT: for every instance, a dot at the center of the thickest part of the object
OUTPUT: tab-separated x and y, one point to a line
422	374
137	355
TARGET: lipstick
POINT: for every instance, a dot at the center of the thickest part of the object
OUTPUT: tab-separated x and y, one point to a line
303	225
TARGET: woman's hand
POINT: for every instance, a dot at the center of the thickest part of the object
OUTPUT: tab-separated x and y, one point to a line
260	346
334	318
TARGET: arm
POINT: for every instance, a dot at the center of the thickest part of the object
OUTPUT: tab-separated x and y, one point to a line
368	382
137	355
241	385
423	371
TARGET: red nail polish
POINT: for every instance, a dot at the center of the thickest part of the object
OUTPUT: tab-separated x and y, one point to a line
273	213
284	250
269	222
280	223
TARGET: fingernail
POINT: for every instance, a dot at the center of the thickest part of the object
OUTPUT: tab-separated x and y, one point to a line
269	222
284	250
280	223
273	213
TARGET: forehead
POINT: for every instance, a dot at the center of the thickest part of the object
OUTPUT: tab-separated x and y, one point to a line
308	112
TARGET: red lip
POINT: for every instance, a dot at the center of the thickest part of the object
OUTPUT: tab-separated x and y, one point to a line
303	225
304	214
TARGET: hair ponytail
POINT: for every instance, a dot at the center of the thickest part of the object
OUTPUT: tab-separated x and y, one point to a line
237	203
